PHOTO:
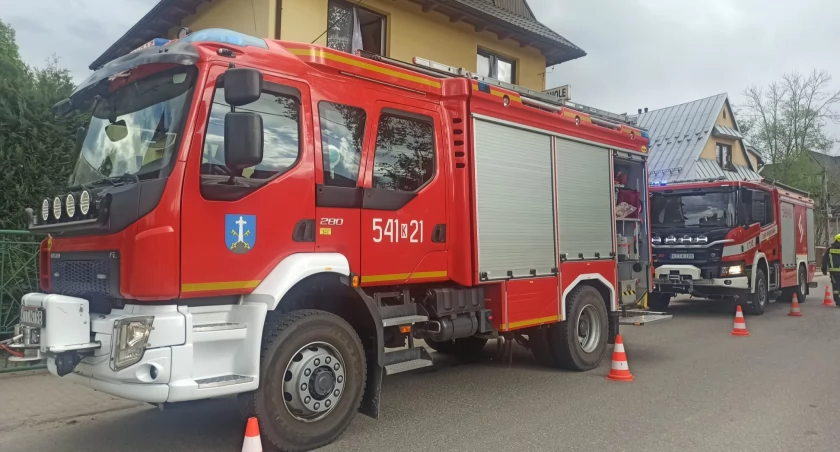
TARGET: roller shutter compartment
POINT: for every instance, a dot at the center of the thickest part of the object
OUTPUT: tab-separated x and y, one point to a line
514	202
584	200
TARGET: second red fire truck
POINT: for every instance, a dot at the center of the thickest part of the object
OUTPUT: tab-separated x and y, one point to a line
284	221
744	241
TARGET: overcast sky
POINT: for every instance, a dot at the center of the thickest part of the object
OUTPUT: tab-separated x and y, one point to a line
641	53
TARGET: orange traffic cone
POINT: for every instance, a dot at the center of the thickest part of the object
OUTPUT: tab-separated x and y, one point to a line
794	307
740	328
619	371
828	301
252	441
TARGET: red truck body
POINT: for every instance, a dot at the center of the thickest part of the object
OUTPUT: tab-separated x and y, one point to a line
718	238
468	210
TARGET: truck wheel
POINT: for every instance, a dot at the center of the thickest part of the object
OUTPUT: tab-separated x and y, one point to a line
802	288
312	378
465	346
659	301
579	342
758	300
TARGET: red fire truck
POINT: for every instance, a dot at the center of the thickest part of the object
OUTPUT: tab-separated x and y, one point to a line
748	241
266	218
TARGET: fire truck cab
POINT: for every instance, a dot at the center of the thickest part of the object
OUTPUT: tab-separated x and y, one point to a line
283	221
721	239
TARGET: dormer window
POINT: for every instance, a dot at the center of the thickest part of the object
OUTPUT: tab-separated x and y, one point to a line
724	156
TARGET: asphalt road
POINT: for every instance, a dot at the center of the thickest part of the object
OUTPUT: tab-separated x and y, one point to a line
697	389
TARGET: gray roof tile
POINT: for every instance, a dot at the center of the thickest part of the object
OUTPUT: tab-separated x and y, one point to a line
506	14
679	134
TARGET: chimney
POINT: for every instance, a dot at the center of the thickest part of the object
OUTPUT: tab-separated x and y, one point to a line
645	109
640	111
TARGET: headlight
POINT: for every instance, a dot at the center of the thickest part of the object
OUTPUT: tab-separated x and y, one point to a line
57	207
45	209
732	270
128	343
701	239
84	202
670	239
70	205
656	240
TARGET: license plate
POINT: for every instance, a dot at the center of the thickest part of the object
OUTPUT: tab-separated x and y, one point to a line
32	316
682	255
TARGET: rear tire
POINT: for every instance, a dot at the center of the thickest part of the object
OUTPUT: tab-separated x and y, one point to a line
659	301
579	342
758	300
465	347
292	344
802	286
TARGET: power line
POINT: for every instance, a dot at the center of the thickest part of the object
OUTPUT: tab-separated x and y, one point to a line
330	25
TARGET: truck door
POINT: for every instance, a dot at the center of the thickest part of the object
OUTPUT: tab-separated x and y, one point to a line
404	205
339	190
235	233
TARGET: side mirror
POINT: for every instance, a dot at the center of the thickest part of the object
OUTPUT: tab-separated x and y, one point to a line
243	140
242	86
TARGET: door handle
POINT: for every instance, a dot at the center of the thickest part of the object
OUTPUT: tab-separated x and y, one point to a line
439	233
304	231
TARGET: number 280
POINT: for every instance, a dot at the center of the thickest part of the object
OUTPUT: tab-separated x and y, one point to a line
392	231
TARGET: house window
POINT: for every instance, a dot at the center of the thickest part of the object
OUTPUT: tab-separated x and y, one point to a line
405	152
351	28
494	66
724	156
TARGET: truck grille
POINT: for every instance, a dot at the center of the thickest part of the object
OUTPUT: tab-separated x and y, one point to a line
85	275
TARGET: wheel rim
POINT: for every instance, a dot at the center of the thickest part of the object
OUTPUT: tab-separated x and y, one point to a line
313	382
589	329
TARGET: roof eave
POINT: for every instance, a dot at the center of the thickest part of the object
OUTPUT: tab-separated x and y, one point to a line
147	27
556	51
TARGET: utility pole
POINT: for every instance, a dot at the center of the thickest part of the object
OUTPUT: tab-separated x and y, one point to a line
826	207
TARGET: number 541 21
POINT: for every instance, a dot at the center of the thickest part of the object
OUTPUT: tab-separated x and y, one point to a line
393	230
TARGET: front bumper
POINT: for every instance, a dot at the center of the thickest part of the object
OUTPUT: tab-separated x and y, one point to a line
189	351
687	279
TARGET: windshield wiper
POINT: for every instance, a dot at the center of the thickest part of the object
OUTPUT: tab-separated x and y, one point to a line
117	180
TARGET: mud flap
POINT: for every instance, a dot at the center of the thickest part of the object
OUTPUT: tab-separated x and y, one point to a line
613	327
373	390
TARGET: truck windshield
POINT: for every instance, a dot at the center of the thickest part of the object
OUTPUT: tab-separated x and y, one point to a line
133	130
702	209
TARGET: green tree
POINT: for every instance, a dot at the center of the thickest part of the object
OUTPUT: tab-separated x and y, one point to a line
36	150
786	122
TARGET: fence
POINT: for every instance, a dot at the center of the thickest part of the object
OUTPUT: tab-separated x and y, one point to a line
18	275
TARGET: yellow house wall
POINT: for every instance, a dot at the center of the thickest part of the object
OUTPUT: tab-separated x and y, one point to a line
253	17
739	155
412	32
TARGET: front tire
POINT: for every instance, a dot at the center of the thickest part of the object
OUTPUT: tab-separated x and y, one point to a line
758	299
312	378
659	301
579	342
